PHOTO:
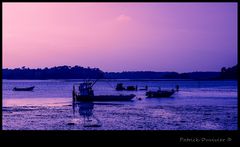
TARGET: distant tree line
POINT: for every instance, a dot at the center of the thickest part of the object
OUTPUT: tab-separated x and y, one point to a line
162	75
138	75
59	72
78	72
229	73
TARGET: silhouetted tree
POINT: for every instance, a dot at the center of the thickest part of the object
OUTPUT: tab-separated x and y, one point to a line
57	72
223	69
78	72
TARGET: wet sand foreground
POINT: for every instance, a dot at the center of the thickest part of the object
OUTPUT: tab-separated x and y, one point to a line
134	115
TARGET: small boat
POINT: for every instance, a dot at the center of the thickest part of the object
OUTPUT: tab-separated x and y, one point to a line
120	87
159	94
131	88
24	89
85	93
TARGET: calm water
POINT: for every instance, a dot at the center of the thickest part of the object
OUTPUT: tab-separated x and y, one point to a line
200	105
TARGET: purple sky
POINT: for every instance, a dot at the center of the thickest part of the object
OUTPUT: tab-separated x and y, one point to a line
178	37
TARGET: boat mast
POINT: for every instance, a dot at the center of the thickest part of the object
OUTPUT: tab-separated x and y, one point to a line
94	82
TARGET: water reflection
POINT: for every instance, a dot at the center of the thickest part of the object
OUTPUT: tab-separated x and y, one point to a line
85	110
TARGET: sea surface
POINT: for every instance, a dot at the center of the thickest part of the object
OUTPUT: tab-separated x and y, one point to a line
199	105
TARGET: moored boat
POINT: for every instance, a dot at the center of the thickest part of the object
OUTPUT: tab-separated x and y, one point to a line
159	94
24	89
86	93
120	87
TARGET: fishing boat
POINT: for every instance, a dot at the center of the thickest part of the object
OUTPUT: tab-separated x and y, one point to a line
24	89
159	94
84	92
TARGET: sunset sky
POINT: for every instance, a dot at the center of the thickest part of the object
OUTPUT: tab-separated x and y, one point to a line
180	37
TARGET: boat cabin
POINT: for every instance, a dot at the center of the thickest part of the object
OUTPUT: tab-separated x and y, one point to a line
85	89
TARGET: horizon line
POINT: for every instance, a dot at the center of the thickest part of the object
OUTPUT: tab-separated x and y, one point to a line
113	71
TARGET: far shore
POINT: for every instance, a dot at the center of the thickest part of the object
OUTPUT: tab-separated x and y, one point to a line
133	79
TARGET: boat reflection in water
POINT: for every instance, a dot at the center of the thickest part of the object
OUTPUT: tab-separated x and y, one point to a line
85	110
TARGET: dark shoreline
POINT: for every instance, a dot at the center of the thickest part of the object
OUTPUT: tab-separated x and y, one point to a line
78	72
134	79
